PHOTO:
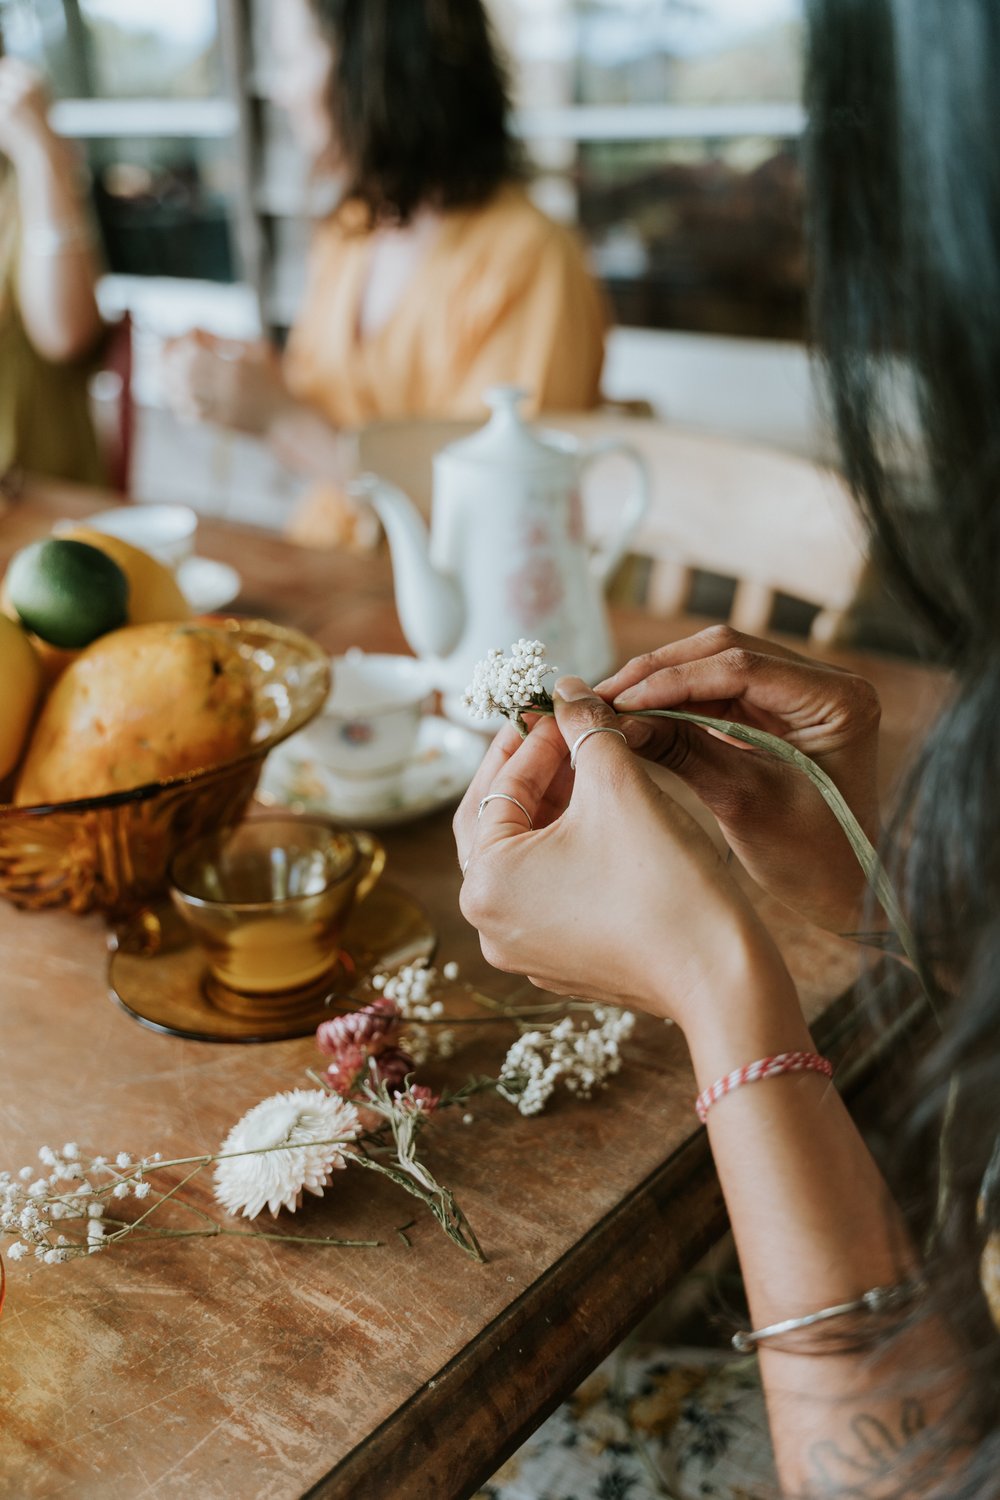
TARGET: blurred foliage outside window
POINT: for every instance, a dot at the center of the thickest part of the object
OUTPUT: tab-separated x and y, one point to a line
700	232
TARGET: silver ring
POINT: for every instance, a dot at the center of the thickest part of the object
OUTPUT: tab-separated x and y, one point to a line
599	729
505	797
465	866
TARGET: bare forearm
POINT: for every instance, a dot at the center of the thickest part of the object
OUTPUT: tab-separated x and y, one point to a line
815	1226
57	271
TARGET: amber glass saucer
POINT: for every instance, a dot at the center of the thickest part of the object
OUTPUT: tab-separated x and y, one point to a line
159	975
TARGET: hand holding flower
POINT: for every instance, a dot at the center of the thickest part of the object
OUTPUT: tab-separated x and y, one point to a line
616	895
775	821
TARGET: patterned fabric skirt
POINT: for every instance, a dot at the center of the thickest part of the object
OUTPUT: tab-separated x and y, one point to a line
650	1424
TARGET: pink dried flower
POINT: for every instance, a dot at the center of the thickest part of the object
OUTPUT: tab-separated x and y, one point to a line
419	1096
391	1068
374	1028
346	1070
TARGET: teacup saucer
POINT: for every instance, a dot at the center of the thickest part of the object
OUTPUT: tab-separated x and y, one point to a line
445	761
158	973
208	585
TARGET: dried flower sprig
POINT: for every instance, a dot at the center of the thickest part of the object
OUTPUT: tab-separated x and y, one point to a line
582	1056
518	694
59	1215
510	685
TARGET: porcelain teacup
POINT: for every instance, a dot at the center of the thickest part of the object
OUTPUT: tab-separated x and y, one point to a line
367	733
167	532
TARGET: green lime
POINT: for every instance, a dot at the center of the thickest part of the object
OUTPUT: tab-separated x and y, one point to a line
67	592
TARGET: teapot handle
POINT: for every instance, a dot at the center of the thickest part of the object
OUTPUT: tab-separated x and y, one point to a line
606	557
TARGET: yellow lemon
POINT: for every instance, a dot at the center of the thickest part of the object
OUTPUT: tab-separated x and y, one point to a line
20	687
154	597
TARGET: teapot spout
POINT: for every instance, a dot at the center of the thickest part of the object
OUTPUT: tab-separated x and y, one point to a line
429	603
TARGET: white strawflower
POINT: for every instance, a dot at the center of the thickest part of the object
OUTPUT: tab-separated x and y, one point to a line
508	685
287	1144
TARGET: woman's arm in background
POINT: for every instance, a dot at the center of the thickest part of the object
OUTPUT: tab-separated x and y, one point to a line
57	269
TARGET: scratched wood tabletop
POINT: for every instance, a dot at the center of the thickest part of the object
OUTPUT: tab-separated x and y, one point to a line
232	1370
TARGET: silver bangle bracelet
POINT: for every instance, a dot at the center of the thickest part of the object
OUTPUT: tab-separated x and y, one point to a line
55	239
880	1299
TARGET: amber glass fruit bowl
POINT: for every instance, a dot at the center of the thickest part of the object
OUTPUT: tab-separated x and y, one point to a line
111	853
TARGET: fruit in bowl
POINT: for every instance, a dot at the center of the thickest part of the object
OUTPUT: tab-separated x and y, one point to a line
153	736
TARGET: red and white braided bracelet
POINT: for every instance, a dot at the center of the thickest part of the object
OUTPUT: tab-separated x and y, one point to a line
765	1067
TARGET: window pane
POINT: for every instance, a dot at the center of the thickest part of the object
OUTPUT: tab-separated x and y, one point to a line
654	51
119	48
697	235
162	206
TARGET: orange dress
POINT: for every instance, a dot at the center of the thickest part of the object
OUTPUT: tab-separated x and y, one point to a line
502	295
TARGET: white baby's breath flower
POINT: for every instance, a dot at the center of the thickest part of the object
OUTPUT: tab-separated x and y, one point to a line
141	1189
123	1159
582	1055
508	685
288	1144
120	1190
18	1251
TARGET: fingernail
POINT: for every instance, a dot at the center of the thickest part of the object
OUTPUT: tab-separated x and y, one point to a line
628	699
570	689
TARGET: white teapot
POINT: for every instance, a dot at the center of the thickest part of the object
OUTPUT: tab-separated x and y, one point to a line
507	554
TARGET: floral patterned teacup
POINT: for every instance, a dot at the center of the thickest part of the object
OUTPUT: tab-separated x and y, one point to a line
367	733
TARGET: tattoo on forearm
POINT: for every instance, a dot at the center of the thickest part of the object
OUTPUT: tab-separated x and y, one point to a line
876	1461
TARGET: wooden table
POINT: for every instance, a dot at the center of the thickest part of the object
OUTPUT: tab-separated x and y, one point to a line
227	1369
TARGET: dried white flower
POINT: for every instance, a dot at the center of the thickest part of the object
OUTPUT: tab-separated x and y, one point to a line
123	1159
141	1189
17	1251
508	685
583	1056
287	1144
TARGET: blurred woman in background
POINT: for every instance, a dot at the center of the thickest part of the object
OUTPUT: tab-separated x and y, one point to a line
50	327
436	277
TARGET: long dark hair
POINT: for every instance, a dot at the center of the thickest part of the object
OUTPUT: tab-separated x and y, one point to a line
904	197
420	104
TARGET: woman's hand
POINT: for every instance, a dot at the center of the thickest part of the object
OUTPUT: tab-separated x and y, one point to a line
24	112
617	895
776	822
237	385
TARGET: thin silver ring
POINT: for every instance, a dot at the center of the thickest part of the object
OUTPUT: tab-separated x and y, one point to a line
465	866
505	797
599	729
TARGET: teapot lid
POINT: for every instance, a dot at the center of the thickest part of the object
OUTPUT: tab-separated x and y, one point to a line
506	439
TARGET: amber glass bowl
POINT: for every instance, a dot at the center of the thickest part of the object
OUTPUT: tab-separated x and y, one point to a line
111	853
